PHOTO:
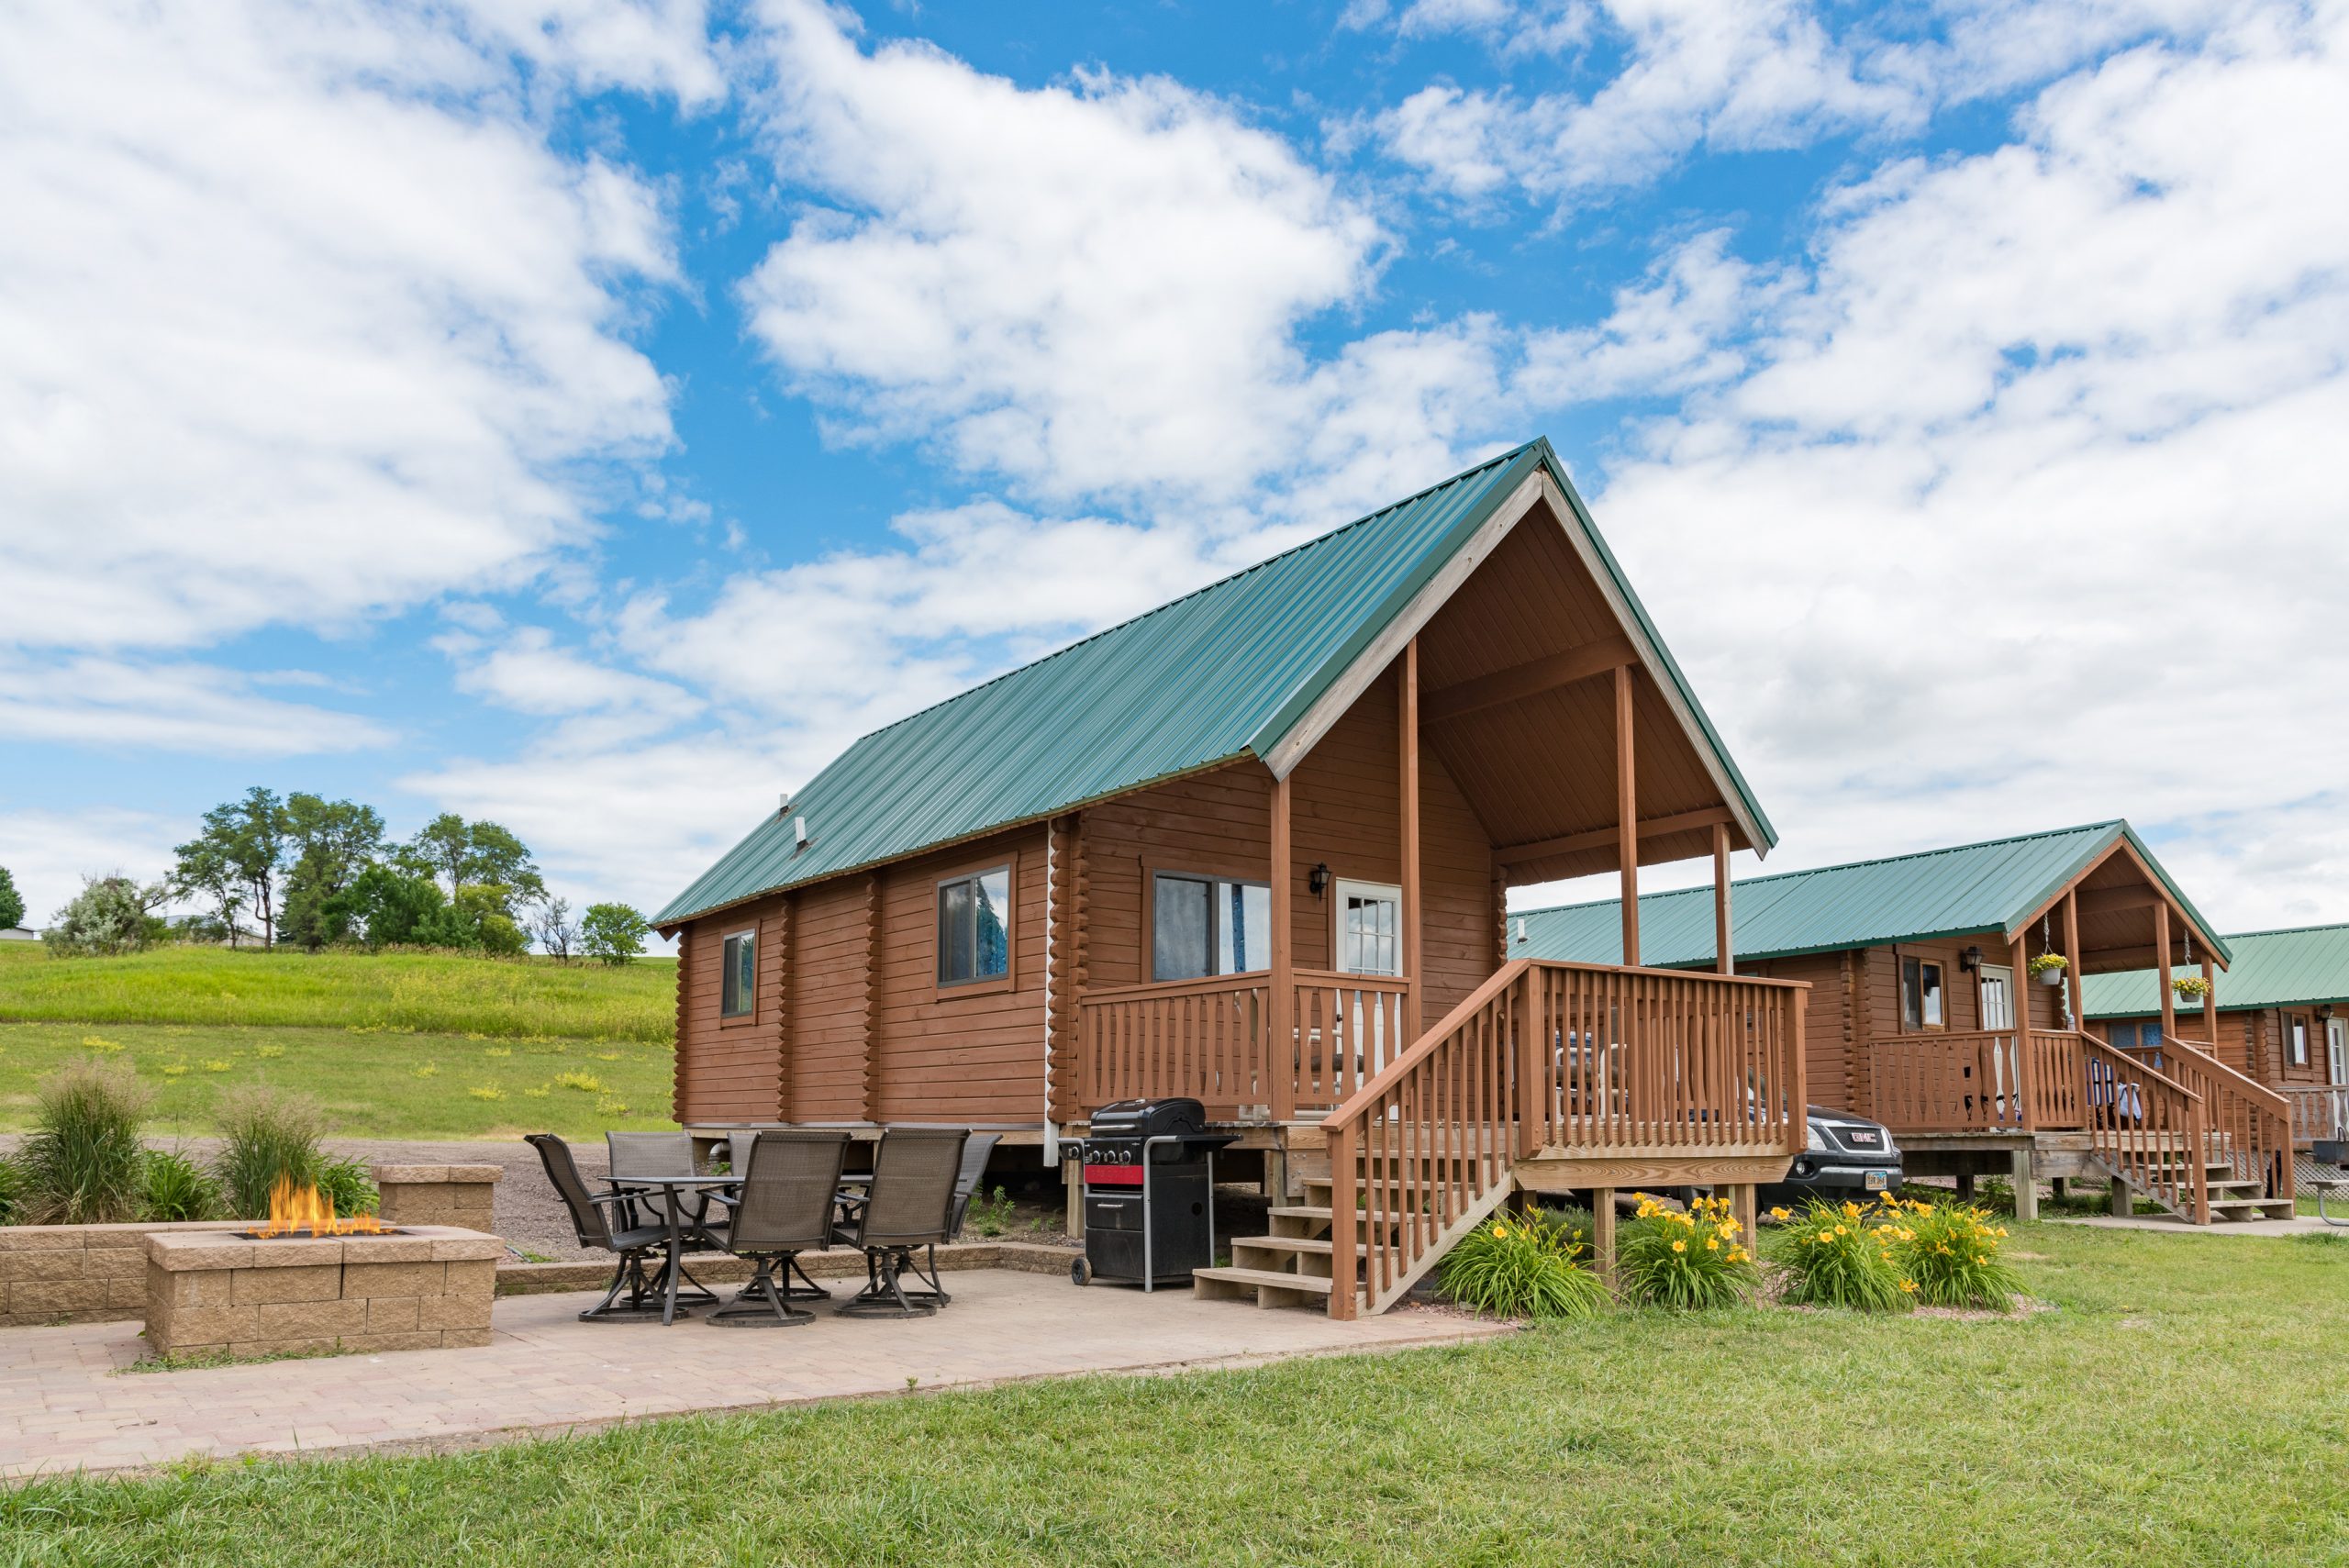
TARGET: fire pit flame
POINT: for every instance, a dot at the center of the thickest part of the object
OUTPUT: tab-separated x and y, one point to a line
306	1211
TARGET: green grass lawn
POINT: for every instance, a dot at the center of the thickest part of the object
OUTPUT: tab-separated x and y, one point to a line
434	992
2181	1405
373	1083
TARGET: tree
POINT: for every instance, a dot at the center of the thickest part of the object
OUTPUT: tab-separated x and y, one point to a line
551	926
477	855
383	906
250	836
332	841
110	915
612	933
12	903
204	871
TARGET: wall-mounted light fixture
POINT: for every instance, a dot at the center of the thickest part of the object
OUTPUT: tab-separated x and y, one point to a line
1319	879
1969	960
2324	1012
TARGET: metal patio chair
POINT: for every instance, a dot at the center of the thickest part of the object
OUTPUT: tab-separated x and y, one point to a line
796	1286
970	1177
607	1223
669	1155
791	1183
909	1205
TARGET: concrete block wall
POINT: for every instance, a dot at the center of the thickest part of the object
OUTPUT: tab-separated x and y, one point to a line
80	1274
356	1295
462	1195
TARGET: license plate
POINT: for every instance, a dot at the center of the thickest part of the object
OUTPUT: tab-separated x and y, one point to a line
1876	1180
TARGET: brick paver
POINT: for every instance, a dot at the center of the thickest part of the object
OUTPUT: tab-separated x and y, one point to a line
64	1406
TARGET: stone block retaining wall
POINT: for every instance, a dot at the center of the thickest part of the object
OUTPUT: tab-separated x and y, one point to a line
358	1294
80	1274
462	1195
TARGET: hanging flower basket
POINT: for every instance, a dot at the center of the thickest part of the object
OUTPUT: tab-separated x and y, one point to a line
2191	993
2048	968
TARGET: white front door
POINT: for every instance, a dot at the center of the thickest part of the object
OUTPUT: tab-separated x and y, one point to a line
1370	928
1997	997
2336	1047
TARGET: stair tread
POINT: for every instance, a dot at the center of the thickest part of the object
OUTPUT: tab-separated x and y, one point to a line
1288	1243
1273	1278
1303	1211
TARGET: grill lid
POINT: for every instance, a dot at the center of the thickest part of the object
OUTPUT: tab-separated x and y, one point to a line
1176	1118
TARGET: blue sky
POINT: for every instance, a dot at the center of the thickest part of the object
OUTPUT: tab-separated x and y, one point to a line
592	414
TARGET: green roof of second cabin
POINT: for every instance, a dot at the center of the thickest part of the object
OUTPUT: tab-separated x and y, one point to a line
1224	672
1965	890
2305	966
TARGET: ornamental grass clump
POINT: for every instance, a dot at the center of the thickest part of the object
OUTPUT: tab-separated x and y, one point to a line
82	1162
266	1136
1687	1261
1516	1268
176	1188
1951	1252
1844	1256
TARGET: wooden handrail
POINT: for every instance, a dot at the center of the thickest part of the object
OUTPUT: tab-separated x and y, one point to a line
2251	1123
1154	988
2150	1129
2319	1110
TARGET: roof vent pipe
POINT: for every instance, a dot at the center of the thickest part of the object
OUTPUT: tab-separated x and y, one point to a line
800	831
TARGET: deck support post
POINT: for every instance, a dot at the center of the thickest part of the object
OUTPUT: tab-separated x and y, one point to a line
1276	1177
1281	1042
1602	1232
1724	950
1745	1207
2060	1187
2121	1206
2026	1188
1627	816
1072	1179
2072	982
1408	726
2161	962
1966	1186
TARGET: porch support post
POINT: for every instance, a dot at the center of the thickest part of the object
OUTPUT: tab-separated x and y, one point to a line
1280	1045
2026	1188
2018	1004
1602	1233
2210	1006
1724	954
1409	740
1627	816
2161	964
2072	958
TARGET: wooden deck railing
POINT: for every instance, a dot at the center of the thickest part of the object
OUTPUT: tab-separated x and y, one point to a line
1978	1080
2250	1124
2148	1128
1552	1056
1349	1026
2317	1111
1203	1038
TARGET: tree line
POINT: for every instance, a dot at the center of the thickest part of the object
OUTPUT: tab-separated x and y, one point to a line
315	873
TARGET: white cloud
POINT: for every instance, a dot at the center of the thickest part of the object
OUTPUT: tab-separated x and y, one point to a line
2029	494
1093	289
301	317
49	852
101	702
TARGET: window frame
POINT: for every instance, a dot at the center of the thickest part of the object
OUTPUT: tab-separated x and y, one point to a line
1940	969
749	1011
1339	887
1147	963
941	990
2296	1040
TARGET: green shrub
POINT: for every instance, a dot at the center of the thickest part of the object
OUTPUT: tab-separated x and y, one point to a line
990	1215
1689	1262
1835	1257
13	1187
1949	1251
82	1162
1518	1268
266	1136
177	1188
349	1185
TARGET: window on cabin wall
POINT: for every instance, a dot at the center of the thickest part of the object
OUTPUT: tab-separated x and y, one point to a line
974	927
1921	995
738	985
2299	1033
1206	925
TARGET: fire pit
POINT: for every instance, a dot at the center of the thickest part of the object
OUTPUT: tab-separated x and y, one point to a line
309	1281
307	1214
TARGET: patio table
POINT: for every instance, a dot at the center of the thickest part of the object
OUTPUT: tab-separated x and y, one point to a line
676	1187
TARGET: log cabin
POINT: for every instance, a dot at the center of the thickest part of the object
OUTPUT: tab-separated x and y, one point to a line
1255	848
2279	1015
1935	1012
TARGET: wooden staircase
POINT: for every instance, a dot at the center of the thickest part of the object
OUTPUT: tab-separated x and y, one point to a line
2200	1139
2230	1196
1675	1070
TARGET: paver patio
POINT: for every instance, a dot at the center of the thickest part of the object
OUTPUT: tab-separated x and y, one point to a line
66	1406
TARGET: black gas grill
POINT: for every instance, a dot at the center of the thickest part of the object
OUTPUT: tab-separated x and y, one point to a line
1149	1193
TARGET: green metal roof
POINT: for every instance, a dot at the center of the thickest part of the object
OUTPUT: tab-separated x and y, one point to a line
1221	674
1963	891
2296	968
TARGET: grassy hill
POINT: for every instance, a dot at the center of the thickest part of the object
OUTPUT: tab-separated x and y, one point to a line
406	1045
506	997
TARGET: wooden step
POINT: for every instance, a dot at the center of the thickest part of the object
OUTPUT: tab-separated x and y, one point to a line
1303	1211
1319	1246
1270	1287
